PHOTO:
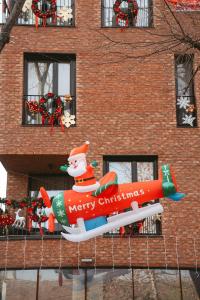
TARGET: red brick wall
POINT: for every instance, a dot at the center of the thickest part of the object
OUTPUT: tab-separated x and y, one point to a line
122	108
144	252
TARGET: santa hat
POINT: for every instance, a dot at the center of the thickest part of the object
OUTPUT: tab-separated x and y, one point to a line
79	152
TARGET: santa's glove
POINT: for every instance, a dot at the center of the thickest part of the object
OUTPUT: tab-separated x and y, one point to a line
63	168
94	163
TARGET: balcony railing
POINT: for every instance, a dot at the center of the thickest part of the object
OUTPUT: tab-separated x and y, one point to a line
149	226
36	119
28	17
143	19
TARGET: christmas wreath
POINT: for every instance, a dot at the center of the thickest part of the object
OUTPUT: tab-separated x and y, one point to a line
44	13
132	10
46	115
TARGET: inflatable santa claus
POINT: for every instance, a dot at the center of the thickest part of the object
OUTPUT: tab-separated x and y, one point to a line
83	174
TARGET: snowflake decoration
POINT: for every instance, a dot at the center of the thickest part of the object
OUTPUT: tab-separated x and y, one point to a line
65	14
183	102
27	6
188	120
68	119
59	203
61	213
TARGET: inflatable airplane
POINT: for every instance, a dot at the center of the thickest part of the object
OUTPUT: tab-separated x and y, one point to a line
90	212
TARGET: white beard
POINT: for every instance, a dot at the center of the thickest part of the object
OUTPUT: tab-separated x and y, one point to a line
80	170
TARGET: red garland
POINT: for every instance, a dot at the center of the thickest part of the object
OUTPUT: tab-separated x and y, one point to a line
44	14
6	219
132	7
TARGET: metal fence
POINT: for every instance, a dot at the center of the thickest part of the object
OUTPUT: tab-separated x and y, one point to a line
28	17
150	226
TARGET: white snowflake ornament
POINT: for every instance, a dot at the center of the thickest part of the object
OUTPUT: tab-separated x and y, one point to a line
188	119
65	14
68	119
27	6
183	102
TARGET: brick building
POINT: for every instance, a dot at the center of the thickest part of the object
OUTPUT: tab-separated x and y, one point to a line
135	115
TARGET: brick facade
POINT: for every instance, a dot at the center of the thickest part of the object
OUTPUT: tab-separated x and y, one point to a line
123	108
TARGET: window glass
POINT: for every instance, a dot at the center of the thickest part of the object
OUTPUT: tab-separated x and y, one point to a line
63	79
167	284
18	284
108	284
145	171
156	284
123	170
184	74
190	282
40	78
72	286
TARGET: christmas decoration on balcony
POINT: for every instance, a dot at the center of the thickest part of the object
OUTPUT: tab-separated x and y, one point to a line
5	219
41	107
35	209
89	203
120	15
68	119
65	14
184	102
33	106
19	221
58	112
188	120
37	215
68	98
185	4
191	108
27	6
45	12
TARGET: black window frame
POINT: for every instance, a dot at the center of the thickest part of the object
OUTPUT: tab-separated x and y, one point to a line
55	58
150	17
185	58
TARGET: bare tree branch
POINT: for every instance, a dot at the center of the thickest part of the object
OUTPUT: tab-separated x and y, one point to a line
7	27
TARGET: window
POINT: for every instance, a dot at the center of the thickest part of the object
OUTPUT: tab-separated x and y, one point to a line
18	284
186	110
144	17
107	283
27	17
53	185
131	169
48	73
